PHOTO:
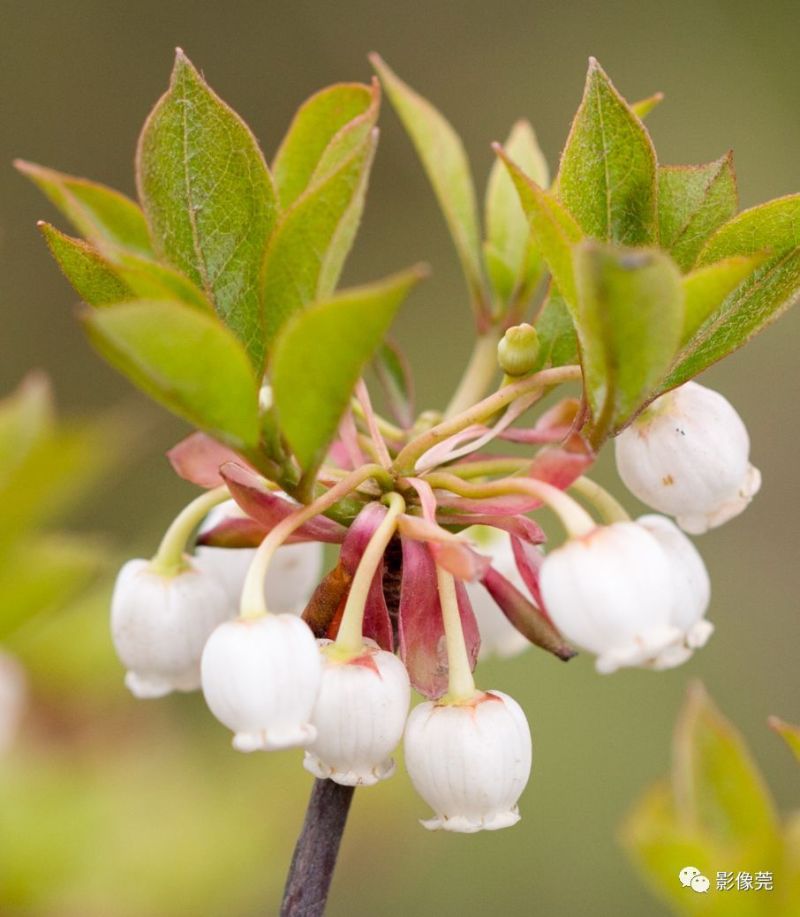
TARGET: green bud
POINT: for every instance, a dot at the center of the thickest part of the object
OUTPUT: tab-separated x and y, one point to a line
517	351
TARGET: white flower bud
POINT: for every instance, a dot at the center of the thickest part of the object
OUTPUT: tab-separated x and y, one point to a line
687	456
469	762
611	592
690	585
261	677
359	716
292	575
499	637
13	694
159	625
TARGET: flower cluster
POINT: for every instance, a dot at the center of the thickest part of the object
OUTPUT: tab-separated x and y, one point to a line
439	563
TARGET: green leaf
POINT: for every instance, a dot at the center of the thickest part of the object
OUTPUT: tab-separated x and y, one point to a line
508	233
628	320
26	416
706	288
320	355
117	275
102	215
762	298
394	374
92	276
694	201
309	246
607	177
789	733
643	107
716	783
558	343
318	122
186	360
445	162
773	227
553	229
152	280
208	197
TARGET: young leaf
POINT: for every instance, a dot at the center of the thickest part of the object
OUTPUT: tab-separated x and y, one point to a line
773	227
320	355
317	122
152	280
553	229
766	293
694	201
628	320
508	232
607	176
643	107
558	343
445	161
394	374
117	275
94	279
706	287
102	215
716	783
186	360
208	197
308	248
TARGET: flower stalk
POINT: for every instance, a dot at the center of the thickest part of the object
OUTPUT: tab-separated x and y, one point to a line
460	685
169	559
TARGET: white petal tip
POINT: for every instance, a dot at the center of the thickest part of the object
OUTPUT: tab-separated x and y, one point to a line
150	687
274	739
462	824
368	777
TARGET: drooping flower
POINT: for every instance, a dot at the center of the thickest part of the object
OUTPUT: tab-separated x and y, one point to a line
359	716
611	592
160	624
690	584
687	456
292	576
261	677
469	761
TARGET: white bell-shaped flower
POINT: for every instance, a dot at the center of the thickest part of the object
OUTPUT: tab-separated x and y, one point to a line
261	677
499	637
13	695
292	576
359	716
160	624
611	592
687	455
470	762
691	588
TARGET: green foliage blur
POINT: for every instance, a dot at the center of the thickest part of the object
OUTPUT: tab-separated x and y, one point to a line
115	807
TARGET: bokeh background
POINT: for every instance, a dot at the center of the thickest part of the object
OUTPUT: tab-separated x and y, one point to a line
111	807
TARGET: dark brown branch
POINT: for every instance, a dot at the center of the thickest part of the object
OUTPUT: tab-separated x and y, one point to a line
314	859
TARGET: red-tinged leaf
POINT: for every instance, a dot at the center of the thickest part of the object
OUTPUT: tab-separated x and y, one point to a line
421	630
324	609
253	495
198	458
525	616
529	563
377	623
235	532
520	526
450	551
561	465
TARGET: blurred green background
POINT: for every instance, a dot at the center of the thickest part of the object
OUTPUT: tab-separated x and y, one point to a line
111	807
